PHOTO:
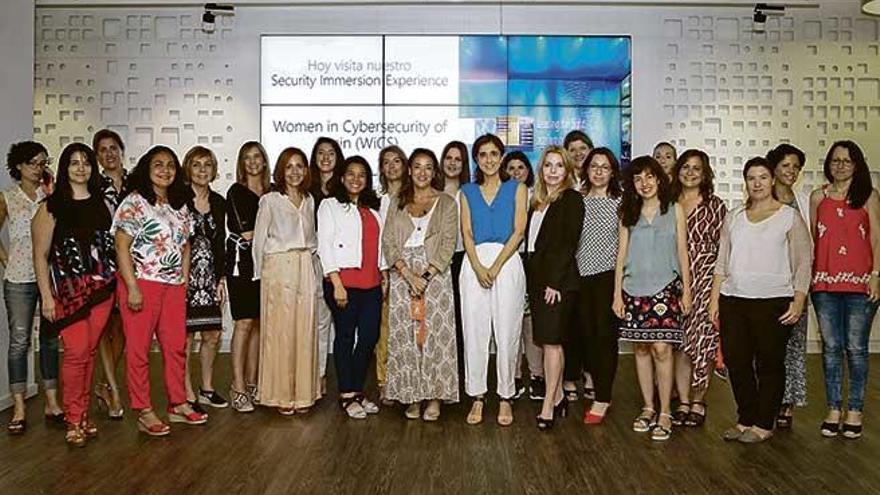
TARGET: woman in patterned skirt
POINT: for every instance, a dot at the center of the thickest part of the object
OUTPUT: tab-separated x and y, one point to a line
418	241
652	285
204	294
787	162
694	361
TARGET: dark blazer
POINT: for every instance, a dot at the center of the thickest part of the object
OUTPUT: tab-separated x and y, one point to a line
554	262
218	243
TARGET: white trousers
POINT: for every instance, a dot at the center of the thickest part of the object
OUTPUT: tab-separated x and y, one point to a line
485	313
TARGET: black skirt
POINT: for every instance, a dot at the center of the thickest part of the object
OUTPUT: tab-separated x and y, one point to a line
550	324
244	297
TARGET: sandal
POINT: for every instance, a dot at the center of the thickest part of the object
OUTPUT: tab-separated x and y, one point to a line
695	418
432	412
104	394
644	421
75	436
89	428
505	418
681	414
662	433
475	416
17	427
784	421
571	395
412	411
352	407
158	429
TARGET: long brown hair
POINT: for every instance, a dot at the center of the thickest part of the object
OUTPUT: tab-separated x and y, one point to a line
408	188
707	184
383	181
241	173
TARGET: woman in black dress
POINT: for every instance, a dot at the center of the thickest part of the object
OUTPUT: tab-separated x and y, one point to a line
242	203
204	294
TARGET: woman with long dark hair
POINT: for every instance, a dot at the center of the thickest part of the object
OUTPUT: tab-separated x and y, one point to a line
242	203
75	266
594	336
392	168
693	188
456	172
284	261
152	227
325	169
652	285
846	283
761	280
419	238
110	151
787	162
519	168
493	220
26	163
349	244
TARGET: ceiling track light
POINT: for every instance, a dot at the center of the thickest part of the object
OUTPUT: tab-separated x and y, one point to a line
871	7
759	19
212	10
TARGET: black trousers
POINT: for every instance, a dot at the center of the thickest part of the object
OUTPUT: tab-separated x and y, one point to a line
592	343
754	343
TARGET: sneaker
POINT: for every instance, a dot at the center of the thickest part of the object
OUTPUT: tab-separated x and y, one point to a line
537	388
251	390
721	373
241	402
520	388
212	398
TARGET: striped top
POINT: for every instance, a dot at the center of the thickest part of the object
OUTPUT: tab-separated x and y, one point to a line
597	249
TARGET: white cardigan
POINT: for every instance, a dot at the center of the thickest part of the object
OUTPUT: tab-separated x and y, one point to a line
339	236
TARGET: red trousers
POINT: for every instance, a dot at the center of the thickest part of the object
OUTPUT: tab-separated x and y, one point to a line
80	346
163	314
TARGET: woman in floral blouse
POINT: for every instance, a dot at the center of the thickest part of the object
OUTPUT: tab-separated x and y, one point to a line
152	226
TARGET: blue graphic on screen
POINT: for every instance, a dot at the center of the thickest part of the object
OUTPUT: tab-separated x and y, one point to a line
548	86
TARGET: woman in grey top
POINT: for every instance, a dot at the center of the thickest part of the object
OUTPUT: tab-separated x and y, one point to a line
652	285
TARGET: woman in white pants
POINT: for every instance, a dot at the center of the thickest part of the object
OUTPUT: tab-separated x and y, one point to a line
492	280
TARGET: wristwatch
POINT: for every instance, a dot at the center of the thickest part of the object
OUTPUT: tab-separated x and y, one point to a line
427	276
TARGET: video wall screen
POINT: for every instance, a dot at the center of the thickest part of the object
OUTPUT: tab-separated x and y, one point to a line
368	92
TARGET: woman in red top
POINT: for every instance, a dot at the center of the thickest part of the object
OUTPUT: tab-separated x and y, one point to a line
846	278
349	233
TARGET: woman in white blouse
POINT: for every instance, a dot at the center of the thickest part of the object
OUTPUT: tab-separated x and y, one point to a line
761	281
284	259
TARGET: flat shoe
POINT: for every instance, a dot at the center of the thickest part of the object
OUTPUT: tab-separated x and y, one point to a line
412	411
475	416
829	429
750	436
732	433
852	431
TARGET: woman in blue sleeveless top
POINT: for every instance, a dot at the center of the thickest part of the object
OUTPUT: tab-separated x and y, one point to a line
492	280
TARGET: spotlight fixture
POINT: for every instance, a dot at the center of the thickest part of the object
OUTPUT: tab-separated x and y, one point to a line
759	20
212	10
871	7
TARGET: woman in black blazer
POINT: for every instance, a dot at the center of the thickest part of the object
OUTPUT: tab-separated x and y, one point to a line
554	228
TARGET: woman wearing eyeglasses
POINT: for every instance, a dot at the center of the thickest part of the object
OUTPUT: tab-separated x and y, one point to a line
26	162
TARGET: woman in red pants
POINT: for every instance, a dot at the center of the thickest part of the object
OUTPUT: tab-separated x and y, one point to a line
152	226
75	265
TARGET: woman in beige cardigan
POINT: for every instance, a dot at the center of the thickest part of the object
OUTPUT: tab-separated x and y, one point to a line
418	241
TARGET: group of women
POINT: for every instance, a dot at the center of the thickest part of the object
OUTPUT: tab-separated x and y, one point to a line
424	275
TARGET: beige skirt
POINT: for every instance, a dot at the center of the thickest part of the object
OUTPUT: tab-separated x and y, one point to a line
288	342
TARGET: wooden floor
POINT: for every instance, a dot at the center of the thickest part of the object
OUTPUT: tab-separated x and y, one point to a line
323	452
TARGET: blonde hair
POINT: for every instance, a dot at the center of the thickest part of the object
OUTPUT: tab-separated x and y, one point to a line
194	153
541	196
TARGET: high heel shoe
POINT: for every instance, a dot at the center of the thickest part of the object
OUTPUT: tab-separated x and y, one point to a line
104	394
560	410
591	418
158	429
75	437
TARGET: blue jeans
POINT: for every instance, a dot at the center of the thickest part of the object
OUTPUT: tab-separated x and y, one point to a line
357	331
845	323
21	304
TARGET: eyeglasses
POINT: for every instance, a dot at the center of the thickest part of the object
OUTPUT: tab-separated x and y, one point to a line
33	162
600	168
838	162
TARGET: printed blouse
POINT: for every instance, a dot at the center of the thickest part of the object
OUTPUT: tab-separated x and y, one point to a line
159	235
